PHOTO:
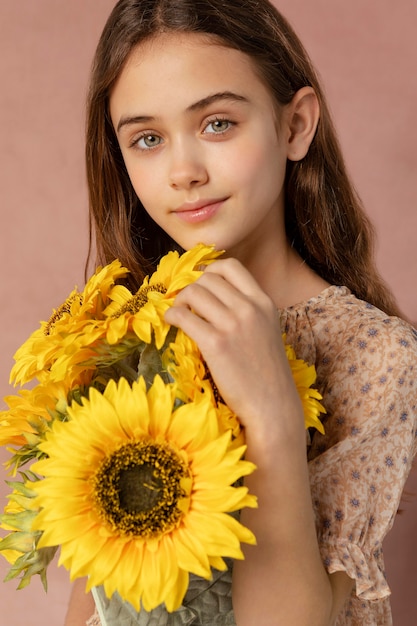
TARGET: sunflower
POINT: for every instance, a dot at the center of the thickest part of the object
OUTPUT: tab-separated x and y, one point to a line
19	547
304	376
144	311
148	491
29	416
71	326
186	367
17	542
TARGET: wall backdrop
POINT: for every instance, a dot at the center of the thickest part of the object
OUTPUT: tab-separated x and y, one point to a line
366	54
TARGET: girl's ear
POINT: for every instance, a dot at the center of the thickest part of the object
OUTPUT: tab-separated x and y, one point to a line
302	117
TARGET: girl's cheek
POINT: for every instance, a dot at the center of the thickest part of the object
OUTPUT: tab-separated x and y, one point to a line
144	181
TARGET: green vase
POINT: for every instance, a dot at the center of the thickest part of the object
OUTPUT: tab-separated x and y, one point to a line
206	603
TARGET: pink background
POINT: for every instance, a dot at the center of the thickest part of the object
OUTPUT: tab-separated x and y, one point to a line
366	54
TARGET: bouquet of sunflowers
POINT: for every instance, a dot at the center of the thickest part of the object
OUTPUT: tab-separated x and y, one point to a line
123	455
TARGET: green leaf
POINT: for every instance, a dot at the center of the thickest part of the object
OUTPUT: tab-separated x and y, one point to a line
20	541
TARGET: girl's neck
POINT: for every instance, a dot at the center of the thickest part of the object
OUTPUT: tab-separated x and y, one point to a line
285	277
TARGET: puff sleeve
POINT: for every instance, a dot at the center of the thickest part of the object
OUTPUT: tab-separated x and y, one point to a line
359	467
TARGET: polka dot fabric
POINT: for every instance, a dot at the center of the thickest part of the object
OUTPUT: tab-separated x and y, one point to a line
366	370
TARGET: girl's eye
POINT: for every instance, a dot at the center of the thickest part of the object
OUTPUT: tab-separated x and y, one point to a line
218	126
148	141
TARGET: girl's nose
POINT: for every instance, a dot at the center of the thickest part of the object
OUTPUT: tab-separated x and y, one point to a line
187	166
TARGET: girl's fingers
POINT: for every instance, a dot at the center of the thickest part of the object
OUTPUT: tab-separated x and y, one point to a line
229	288
235	324
227	300
234	273
194	320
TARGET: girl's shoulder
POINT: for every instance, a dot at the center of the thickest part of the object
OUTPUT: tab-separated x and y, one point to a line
336	302
336	323
366	363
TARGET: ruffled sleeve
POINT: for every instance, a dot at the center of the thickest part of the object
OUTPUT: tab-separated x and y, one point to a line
359	467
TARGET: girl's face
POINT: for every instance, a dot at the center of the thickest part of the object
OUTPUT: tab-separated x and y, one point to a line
199	136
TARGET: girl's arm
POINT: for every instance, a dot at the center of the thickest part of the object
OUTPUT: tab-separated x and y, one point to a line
236	325
81	605
282	580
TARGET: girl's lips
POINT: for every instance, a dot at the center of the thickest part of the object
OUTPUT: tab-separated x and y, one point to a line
198	212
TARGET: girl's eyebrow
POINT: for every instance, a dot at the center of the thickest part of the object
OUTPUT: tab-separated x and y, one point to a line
222	95
196	106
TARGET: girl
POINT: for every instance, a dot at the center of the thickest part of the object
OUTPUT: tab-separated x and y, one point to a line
206	123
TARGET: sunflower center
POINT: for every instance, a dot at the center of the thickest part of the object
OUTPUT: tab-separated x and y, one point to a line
140	489
140	299
136	500
65	308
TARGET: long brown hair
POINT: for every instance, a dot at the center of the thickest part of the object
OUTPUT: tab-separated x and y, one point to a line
325	221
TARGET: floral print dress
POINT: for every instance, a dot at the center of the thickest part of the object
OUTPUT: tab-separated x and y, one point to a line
366	366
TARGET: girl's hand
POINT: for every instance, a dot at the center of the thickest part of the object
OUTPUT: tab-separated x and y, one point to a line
237	329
